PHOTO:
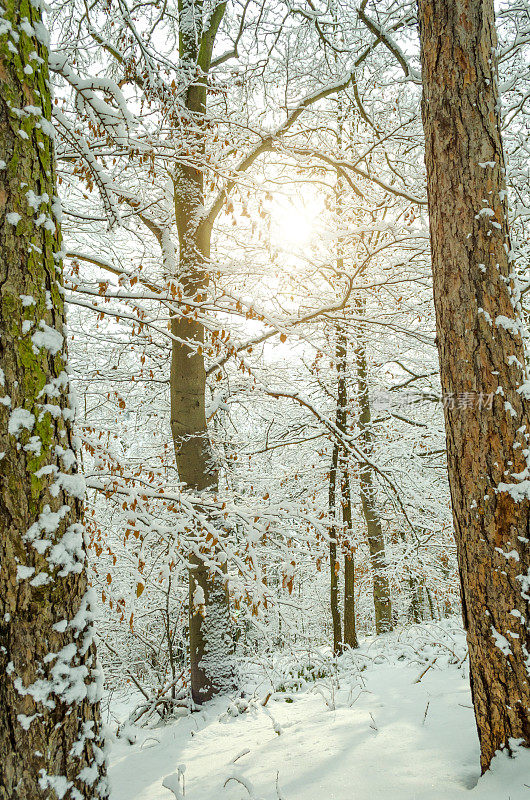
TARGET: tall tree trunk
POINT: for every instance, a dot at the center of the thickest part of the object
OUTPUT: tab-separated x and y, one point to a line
374	531
341	421
333	561
50	733
340	463
481	359
350	631
211	640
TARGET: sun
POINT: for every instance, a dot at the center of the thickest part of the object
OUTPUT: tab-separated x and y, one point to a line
294	221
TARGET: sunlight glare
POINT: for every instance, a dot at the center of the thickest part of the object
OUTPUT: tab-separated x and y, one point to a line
293	222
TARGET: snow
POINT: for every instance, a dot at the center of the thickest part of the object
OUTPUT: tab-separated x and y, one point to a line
41	579
58	783
46	222
501	642
25	26
511	554
34	445
71	484
375	728
20	418
198	597
48	338
89	775
517	491
68	553
24	572
55	386
26	721
41	33
508	324
487	316
36	200
68	456
172	782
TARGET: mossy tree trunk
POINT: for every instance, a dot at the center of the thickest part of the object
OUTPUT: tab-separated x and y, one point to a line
482	359
50	735
211	642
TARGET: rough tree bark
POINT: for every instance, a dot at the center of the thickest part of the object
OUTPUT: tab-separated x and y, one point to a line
211	642
481	359
374	531
50	735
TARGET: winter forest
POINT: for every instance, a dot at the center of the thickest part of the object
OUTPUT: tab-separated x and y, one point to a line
264	399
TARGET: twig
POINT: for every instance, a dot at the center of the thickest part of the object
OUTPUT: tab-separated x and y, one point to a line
243	753
433	662
242	781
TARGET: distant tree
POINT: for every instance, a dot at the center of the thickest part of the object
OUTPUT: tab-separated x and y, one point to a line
482	359
374	531
50	736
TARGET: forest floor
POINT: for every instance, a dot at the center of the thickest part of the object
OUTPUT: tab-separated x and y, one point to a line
391	720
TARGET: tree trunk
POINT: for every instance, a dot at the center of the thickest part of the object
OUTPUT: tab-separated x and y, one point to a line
333	561
481	359
350	632
341	352
339	464
211	641
50	733
374	531
416	599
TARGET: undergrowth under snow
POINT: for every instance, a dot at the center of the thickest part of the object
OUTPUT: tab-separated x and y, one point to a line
391	720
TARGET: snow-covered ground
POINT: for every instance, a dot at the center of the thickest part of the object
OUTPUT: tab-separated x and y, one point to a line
374	725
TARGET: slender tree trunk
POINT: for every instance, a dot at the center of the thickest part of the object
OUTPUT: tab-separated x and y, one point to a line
333	561
350	632
481	359
374	531
210	629
50	734
341	353
340	461
417	600
431	604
